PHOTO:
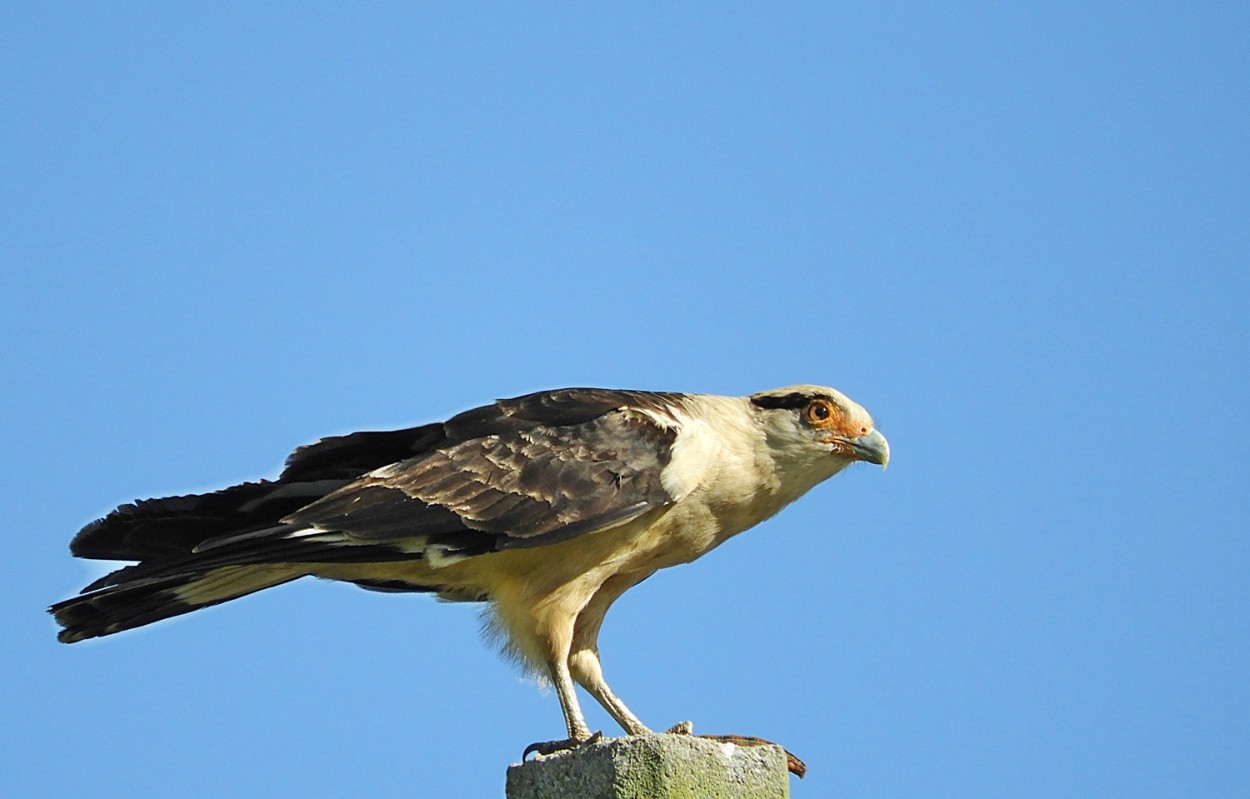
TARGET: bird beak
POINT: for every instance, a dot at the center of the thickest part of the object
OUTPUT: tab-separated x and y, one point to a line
872	448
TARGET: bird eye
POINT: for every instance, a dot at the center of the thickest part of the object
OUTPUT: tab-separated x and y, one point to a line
818	411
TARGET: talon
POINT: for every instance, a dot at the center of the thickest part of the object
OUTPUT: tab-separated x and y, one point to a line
563	745
795	766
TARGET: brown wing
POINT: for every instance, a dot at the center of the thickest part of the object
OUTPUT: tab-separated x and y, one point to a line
518	472
515	487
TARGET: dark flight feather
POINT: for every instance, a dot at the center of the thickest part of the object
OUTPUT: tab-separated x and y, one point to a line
528	485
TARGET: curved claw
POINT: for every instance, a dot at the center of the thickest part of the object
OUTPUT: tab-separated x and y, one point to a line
551	747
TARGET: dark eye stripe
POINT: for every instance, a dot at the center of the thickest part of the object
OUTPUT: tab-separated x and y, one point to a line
793	401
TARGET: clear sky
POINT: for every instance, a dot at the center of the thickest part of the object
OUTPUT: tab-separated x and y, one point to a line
1018	236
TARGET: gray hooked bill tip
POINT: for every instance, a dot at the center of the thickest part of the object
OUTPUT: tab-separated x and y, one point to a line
872	448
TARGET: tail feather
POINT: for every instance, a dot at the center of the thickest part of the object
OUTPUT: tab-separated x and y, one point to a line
134	604
174	526
203	549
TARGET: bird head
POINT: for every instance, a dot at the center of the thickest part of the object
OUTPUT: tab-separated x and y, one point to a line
819	429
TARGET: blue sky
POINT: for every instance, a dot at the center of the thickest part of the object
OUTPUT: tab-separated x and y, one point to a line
1018	236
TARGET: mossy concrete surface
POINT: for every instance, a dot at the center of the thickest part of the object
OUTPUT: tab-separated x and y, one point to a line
662	766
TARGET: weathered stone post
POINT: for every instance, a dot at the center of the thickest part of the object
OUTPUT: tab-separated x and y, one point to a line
661	766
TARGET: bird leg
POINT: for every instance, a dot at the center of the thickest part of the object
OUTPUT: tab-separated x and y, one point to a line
584	666
583	659
587	670
574	721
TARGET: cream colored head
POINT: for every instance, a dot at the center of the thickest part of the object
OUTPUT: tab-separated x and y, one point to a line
818	430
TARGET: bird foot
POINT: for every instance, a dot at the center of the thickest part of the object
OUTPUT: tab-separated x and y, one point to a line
551	747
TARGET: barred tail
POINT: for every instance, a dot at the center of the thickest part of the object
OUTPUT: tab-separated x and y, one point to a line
133	604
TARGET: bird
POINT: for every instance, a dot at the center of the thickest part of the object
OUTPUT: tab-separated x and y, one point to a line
546	506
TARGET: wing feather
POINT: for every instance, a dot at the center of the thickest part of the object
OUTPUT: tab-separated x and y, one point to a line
526	486
517	472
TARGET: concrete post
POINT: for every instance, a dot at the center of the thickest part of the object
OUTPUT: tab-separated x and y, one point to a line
662	766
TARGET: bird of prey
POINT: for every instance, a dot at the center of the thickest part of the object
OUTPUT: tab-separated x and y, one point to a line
547	506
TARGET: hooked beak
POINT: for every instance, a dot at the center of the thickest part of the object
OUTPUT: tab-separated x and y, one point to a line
872	448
